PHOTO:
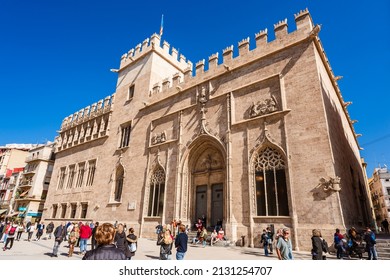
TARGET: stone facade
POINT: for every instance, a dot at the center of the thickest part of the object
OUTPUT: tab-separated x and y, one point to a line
262	138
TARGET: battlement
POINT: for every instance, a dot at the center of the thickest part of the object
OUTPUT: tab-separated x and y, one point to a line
96	109
154	44
304	29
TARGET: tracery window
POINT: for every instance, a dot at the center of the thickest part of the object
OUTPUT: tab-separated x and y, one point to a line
91	172
80	175
61	178
72	173
156	194
125	135
271	185
119	183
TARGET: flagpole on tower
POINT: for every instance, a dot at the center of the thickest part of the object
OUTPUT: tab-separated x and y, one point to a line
162	25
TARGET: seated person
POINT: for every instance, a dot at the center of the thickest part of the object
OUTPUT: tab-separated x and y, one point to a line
221	234
199	225
214	238
196	239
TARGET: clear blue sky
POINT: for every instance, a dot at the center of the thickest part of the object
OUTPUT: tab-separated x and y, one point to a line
55	56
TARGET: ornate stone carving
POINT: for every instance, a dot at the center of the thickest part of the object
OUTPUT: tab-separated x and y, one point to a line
263	107
159	138
330	184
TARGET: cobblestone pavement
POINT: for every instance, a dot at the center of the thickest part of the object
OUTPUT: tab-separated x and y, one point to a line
147	250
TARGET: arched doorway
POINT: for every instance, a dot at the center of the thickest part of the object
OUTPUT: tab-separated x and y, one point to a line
208	184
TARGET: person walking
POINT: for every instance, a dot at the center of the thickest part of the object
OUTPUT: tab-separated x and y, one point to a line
284	246
49	230
132	241
40	228
265	241
10	236
338	243
59	235
166	243
181	243
2	228
370	239
72	240
93	240
20	231
85	234
121	241
106	249
7	228
30	230
316	243
270	239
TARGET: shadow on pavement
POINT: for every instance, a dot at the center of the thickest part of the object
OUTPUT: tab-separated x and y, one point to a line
152	257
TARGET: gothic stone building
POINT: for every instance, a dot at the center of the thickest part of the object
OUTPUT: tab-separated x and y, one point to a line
261	138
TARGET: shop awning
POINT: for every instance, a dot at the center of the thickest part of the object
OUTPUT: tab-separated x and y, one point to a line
13	214
23	194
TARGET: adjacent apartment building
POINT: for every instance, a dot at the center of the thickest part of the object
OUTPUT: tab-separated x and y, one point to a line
34	182
12	161
380	194
23	190
262	138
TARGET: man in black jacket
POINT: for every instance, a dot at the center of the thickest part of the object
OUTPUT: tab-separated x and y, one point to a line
181	243
59	235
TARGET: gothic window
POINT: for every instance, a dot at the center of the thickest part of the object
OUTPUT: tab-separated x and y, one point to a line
131	92
63	211
54	213
156	194
91	172
120	173
125	135
271	185
73	208
80	175
84	210
72	172
61	178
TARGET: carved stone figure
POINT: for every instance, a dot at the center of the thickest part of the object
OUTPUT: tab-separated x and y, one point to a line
263	107
330	184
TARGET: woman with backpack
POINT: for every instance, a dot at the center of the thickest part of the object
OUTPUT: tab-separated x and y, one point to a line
11	236
132	241
165	241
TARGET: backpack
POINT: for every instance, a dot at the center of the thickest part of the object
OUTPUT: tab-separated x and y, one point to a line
372	238
12	231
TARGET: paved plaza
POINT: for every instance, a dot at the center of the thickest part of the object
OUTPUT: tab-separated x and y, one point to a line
147	250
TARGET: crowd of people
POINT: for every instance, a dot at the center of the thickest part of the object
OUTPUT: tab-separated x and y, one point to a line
115	241
347	245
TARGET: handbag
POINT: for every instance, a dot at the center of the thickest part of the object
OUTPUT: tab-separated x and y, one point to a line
163	256
133	247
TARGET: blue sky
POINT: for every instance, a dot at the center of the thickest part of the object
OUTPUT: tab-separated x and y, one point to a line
55	56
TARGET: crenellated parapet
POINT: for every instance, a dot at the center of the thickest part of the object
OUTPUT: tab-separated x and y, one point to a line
190	74
154	44
87	124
